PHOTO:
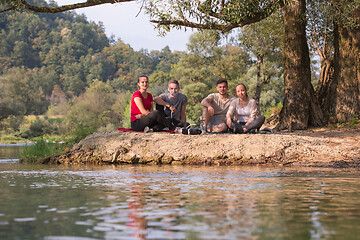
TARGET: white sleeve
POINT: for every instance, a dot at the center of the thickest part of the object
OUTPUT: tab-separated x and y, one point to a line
232	108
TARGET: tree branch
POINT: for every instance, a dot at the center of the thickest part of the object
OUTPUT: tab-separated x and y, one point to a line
88	3
185	23
7	10
324	45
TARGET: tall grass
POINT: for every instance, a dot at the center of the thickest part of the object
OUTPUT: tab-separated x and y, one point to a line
41	149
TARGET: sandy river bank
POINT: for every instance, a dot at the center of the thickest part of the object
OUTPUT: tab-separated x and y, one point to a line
321	147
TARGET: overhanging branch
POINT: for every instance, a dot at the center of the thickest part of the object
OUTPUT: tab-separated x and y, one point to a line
64	8
213	26
8	9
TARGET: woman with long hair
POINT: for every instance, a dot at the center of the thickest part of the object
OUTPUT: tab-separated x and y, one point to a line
143	117
245	112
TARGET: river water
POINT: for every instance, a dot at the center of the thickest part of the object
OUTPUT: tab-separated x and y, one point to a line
177	202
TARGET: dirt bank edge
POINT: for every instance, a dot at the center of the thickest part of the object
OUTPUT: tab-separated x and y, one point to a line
317	148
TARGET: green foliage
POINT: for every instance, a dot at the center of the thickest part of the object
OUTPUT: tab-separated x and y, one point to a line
273	110
29	128
39	128
263	41
195	93
22	92
41	149
271	93
47	60
164	59
11	124
79	132
204	45
127	113
219	15
159	79
10	138
98	107
354	121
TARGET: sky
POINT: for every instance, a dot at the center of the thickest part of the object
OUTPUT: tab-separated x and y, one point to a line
121	21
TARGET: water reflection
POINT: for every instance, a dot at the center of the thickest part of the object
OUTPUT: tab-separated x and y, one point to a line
176	202
10	152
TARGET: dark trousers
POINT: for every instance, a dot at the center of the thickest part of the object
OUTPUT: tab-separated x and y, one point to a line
256	124
166	111
155	120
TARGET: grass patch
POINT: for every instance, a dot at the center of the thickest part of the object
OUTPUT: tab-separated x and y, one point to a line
41	149
11	139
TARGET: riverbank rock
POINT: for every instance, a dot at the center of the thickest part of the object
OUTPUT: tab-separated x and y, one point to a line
315	147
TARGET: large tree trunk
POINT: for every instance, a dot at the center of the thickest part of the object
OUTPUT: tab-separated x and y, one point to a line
347	103
326	88
329	74
300	107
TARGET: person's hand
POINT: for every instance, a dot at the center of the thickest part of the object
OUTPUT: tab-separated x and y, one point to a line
228	121
139	116
172	108
211	111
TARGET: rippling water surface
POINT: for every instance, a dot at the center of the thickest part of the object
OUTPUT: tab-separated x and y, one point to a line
177	202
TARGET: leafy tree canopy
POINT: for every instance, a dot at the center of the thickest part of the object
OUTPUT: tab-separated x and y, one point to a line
41	53
222	15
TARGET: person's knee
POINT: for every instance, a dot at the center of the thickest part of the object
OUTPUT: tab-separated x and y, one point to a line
222	127
261	119
153	116
206	113
155	113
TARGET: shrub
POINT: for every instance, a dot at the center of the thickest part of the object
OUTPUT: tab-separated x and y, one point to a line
98	107
80	132
40	127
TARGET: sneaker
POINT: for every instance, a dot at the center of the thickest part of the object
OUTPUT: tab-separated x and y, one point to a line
191	131
147	129
203	129
252	131
194	131
178	130
202	126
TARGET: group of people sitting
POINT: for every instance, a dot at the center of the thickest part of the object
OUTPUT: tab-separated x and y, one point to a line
222	112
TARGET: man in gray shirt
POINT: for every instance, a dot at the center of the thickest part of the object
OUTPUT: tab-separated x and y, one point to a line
173	104
215	107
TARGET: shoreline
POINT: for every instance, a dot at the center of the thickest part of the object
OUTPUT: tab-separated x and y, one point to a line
319	147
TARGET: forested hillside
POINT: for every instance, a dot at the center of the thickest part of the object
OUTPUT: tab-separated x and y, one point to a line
62	64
